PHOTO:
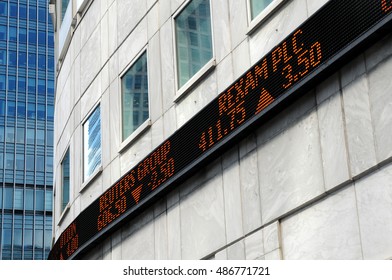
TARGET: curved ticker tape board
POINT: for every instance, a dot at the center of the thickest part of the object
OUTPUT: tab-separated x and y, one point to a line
339	30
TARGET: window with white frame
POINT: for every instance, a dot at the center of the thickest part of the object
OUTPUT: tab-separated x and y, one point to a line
257	6
92	143
64	5
65	181
135	108
193	35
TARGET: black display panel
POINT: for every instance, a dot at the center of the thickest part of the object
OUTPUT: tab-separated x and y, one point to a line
339	30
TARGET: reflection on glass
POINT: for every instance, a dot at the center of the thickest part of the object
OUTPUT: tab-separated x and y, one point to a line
193	39
257	6
92	143
135	97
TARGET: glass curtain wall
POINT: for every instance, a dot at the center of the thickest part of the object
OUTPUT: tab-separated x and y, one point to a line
26	129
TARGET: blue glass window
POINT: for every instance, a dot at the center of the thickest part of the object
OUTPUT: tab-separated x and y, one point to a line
31	85
3	8
1	198
41	61
22	11
30	159
8	197
64	5
49	138
257	6
2	107
193	39
21	84
11	109
13	9
32	60
31	110
12	59
29	202
41	14
1	135
39	200
40	137
20	135
9	161
2	82
92	143
21	110
32	13
3	32
134	87
41	112
30	139
19	162
41	38
48	200
50	112
10	134
50	40
22	35
12	34
65	181
11	83
18	200
32	37
41	86
3	56
22	59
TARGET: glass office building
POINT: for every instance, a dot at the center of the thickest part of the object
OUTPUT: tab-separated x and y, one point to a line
26	129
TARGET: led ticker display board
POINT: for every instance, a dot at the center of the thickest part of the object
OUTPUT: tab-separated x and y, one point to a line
339	30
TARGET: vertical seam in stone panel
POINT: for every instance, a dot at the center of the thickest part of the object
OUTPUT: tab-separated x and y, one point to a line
319	139
358	220
371	110
344	126
223	192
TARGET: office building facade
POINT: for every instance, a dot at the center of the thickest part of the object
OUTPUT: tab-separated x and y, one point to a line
26	129
203	129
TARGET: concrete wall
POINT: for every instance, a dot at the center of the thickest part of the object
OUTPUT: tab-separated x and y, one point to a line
312	183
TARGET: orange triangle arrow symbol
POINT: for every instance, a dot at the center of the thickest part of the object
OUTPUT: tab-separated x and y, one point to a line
136	193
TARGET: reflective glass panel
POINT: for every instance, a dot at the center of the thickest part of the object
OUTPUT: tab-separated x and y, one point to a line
193	39
92	143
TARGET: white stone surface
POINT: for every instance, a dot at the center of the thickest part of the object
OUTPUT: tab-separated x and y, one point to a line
271	33
161	242
271	237
374	196
221	29
313	5
333	142
241	59
167	65
328	88
380	89
290	169
129	15
174	232
90	21
236	251
154	78
115	124
90	59
232	205
202	220
238	21
132	45
224	73
251	201
112	39
327	230
254	247
140	244
359	126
